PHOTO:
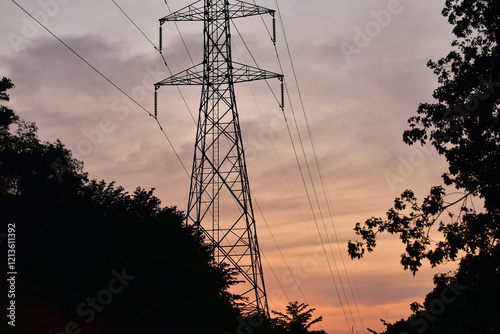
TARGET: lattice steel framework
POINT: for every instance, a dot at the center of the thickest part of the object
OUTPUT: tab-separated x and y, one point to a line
220	201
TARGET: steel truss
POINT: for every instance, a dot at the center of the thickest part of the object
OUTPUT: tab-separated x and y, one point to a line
220	202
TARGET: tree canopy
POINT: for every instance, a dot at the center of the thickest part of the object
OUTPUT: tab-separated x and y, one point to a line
297	319
463	126
94	258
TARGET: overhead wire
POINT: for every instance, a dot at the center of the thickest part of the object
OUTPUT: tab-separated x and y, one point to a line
262	118
293	145
325	192
257	203
179	32
346	271
105	78
275	276
283	170
161	54
315	219
187	50
124	93
255	61
282	167
135	102
281	254
320	213
253	195
311	179
310	137
320	175
128	17
274	147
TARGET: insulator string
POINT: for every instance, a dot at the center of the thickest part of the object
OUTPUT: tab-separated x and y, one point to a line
274	30
161	38
156	101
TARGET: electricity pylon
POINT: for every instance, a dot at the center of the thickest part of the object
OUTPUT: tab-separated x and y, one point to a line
220	203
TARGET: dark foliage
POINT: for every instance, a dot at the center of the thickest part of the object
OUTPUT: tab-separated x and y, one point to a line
297	318
466	302
92	257
464	126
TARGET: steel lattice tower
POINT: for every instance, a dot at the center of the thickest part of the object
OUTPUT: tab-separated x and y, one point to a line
220	203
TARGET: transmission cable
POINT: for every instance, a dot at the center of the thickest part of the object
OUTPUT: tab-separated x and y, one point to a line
315	219
312	182
279	250
312	209
107	79
258	206
309	171
255	62
128	17
322	183
265	125
161	54
328	206
137	103
182	38
317	164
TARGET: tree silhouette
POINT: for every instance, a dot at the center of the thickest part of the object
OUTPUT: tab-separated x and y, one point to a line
463	126
297	319
92	257
465	302
7	116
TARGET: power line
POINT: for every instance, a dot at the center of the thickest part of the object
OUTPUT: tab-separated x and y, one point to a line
255	61
283	170
307	165
105	78
142	32
139	105
182	38
319	171
310	175
279	249
161	54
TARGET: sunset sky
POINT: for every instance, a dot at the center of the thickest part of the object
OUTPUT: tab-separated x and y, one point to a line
361	71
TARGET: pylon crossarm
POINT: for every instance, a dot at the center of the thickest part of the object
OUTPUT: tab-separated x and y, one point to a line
241	73
191	76
244	9
193	12
245	73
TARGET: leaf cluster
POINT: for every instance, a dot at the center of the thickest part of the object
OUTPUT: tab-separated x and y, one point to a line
297	318
461	303
464	126
467	231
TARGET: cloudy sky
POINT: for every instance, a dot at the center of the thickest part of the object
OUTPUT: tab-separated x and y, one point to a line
360	69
